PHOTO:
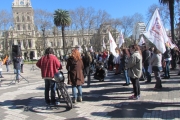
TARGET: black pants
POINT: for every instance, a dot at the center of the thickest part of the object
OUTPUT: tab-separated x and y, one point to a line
22	68
136	86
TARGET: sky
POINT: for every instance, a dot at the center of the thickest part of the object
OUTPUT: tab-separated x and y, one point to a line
116	8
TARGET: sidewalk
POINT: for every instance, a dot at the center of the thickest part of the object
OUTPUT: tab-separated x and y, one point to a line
102	101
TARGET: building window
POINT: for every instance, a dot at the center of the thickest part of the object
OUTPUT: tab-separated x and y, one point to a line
24	27
23	19
18	27
29	42
18	19
29	27
52	45
28	18
19	42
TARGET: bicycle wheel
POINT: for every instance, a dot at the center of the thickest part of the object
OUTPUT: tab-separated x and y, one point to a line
66	96
58	91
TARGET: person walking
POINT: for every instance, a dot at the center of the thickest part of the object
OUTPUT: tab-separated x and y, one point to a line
49	65
135	69
75	74
157	67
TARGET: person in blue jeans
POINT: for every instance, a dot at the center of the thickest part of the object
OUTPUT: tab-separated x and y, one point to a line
17	64
167	59
124	61
75	74
49	65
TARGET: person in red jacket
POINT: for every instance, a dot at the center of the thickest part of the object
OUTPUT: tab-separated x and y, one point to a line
49	65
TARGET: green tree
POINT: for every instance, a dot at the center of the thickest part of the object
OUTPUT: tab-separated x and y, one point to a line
170	3
62	19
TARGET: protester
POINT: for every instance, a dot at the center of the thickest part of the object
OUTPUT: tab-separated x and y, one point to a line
117	61
167	59
157	67
124	62
17	66
75	74
146	55
49	65
22	64
1	63
7	64
135	69
110	61
174	59
87	64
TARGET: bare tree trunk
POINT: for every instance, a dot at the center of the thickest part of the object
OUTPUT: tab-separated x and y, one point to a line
171	10
63	38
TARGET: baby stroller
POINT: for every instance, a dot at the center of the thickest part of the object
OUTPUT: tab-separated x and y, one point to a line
101	72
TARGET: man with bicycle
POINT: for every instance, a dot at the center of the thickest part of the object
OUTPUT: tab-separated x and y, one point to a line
49	65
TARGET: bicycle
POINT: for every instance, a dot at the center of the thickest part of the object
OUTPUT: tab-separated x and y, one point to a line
61	87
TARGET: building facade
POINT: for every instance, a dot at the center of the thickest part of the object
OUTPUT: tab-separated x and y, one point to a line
138	29
30	40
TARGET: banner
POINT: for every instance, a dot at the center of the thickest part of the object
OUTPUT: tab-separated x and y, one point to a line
156	32
142	41
113	45
121	39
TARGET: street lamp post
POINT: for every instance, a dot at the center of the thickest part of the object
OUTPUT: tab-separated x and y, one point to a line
43	30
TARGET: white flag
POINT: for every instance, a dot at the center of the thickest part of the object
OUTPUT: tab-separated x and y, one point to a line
121	39
79	48
91	49
141	41
104	45
171	45
112	45
156	32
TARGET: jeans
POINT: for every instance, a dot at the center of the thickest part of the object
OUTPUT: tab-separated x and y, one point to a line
17	74
126	76
79	87
50	84
166	72
148	75
7	67
158	79
136	86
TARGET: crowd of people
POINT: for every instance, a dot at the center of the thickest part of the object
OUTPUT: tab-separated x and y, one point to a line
134	62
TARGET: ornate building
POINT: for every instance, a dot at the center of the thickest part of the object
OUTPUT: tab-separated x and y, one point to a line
30	40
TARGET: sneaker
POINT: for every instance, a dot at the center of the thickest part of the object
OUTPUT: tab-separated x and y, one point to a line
126	84
79	99
134	97
74	100
56	103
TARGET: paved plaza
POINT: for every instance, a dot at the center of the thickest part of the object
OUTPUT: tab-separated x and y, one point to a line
106	100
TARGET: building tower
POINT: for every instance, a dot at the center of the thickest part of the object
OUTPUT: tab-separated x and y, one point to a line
24	29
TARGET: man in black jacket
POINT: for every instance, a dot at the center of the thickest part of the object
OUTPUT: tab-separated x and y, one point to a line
146	55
